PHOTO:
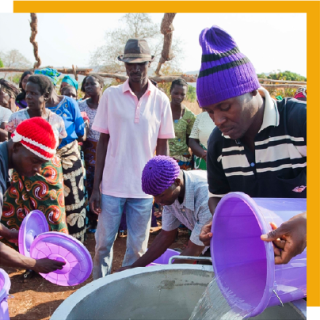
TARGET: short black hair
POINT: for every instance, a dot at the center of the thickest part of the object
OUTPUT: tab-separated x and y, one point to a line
93	75
178	82
44	83
23	76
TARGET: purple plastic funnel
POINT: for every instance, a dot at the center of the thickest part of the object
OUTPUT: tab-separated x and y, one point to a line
244	264
62	247
4	291
32	225
164	258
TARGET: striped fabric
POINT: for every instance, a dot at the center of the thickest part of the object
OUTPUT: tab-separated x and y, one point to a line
278	167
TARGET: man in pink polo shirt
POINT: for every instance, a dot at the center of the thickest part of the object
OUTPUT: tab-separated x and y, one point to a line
135	121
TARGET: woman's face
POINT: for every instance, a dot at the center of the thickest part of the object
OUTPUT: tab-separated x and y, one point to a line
178	94
62	85
34	98
92	87
25	81
70	92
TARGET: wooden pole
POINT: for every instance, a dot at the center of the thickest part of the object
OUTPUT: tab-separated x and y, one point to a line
34	31
283	81
166	30
83	71
280	85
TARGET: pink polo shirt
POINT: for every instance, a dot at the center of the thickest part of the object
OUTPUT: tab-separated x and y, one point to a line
134	127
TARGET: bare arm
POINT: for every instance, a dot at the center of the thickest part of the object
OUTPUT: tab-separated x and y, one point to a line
197	149
84	137
290	239
192	250
101	153
12	258
205	235
162	147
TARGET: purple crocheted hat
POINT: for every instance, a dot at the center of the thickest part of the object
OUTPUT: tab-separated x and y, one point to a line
159	174
225	71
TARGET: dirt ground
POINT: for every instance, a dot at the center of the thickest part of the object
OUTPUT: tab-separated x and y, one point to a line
37	299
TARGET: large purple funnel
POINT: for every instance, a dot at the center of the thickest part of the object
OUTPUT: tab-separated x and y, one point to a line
4	291
244	264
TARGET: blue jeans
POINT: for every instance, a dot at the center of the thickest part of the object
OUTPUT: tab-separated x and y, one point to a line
138	213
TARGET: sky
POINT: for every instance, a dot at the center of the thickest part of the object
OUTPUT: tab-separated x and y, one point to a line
272	41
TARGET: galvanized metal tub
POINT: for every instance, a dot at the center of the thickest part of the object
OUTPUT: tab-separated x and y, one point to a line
159	292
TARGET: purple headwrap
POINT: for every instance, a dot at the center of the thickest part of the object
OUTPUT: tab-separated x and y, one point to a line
159	174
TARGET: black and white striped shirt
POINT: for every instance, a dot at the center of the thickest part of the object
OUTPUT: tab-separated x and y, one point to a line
277	169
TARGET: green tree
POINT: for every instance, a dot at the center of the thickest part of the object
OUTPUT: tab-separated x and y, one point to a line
191	94
133	25
1	63
14	59
283	75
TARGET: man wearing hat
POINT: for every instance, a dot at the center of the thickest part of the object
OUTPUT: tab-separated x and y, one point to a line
32	144
259	144
135	121
184	196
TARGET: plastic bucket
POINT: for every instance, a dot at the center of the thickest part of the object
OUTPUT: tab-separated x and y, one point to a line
4	291
164	258
244	264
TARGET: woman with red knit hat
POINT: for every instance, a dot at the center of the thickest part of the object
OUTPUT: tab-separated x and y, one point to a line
44	191
33	143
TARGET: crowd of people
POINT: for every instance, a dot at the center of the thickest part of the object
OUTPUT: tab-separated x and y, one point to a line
105	163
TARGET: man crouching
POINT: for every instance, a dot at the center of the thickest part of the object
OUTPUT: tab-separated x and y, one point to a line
184	195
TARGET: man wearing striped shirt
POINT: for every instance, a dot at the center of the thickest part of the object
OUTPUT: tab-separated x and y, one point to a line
259	145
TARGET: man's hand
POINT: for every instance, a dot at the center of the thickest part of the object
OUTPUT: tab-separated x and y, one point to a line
94	202
206	234
47	265
290	239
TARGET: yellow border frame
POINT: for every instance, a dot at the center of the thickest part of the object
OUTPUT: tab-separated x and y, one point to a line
312	9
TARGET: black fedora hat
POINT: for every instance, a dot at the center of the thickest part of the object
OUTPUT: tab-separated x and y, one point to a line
136	51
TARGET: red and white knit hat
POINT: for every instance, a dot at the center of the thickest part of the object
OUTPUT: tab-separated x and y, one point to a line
36	135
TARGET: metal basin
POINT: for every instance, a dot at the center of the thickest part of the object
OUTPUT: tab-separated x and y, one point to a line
153	293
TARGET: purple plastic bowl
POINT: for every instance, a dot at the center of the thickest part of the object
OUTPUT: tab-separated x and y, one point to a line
164	258
34	224
4	291
244	264
62	247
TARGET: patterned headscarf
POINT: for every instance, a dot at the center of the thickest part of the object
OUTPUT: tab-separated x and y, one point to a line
71	81
53	74
159	174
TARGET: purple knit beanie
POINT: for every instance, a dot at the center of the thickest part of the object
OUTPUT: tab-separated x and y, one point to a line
225	71
159	174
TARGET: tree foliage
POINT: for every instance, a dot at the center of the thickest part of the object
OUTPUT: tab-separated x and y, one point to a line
1	63
283	75
133	25
14	59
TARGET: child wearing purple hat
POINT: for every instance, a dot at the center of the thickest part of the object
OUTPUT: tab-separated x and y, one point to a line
184	195
259	144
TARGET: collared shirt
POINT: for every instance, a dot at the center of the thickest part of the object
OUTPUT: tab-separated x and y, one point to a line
193	212
4	167
134	127
277	168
